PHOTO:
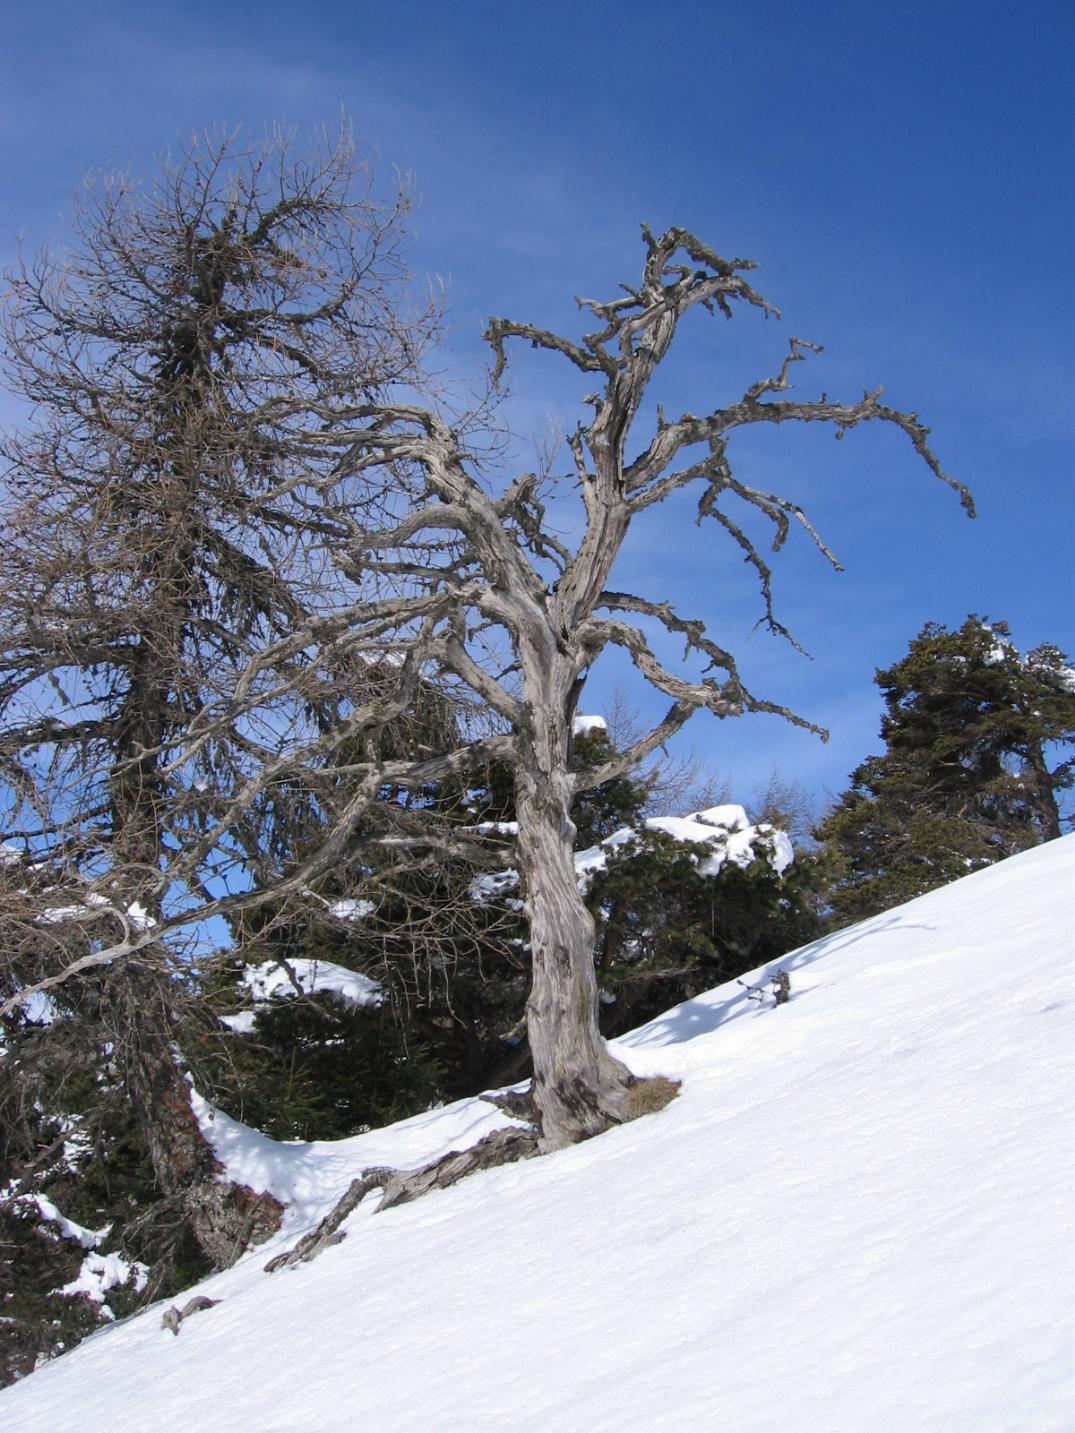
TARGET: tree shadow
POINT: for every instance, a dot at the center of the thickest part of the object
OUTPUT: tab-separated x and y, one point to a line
707	1012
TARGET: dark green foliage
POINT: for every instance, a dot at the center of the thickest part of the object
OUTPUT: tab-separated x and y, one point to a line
599	812
971	728
69	1136
451	971
666	932
314	1068
36	1323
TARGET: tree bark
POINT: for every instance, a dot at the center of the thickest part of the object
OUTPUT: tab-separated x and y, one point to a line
223	1217
579	1088
1044	792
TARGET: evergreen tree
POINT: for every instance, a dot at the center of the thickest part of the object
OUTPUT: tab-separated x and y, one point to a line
443	962
669	928
970	773
446	975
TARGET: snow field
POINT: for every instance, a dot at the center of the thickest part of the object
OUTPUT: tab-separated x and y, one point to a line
856	1216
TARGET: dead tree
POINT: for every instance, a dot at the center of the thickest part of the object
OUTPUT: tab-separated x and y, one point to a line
177	357
497	603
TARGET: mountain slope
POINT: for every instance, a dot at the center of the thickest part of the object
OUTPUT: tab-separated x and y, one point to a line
856	1215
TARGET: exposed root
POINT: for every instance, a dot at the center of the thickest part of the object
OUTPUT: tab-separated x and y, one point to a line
175	1315
517	1103
503	1146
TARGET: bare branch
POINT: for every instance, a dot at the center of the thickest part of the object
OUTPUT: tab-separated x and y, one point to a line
590	359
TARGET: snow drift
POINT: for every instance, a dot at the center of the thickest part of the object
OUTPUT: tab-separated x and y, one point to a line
856	1216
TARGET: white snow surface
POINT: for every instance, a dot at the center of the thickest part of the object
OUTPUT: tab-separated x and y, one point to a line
726	832
270	981
351	910
53	915
241	1024
101	1272
67	1228
584	725
856	1218
139	917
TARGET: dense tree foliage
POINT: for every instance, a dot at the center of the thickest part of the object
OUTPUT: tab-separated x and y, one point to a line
978	742
667	932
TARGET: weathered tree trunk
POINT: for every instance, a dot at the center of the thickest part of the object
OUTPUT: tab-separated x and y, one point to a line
1044	793
579	1088
140	1000
223	1217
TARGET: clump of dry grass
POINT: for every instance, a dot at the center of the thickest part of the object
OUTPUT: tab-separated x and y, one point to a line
646	1097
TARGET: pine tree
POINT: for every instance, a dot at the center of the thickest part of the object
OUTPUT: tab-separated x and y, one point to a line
669	928
971	728
445	964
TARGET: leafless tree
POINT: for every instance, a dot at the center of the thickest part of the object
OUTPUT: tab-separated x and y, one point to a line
180	359
783	801
674	783
497	603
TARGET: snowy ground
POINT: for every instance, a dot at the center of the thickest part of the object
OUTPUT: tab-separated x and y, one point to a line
856	1216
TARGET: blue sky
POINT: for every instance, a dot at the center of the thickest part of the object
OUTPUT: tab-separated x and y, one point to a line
903	173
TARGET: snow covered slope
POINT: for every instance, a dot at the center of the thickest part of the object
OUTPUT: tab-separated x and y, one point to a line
858	1215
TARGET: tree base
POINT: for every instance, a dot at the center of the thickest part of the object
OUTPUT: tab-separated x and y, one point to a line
503	1146
227	1218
